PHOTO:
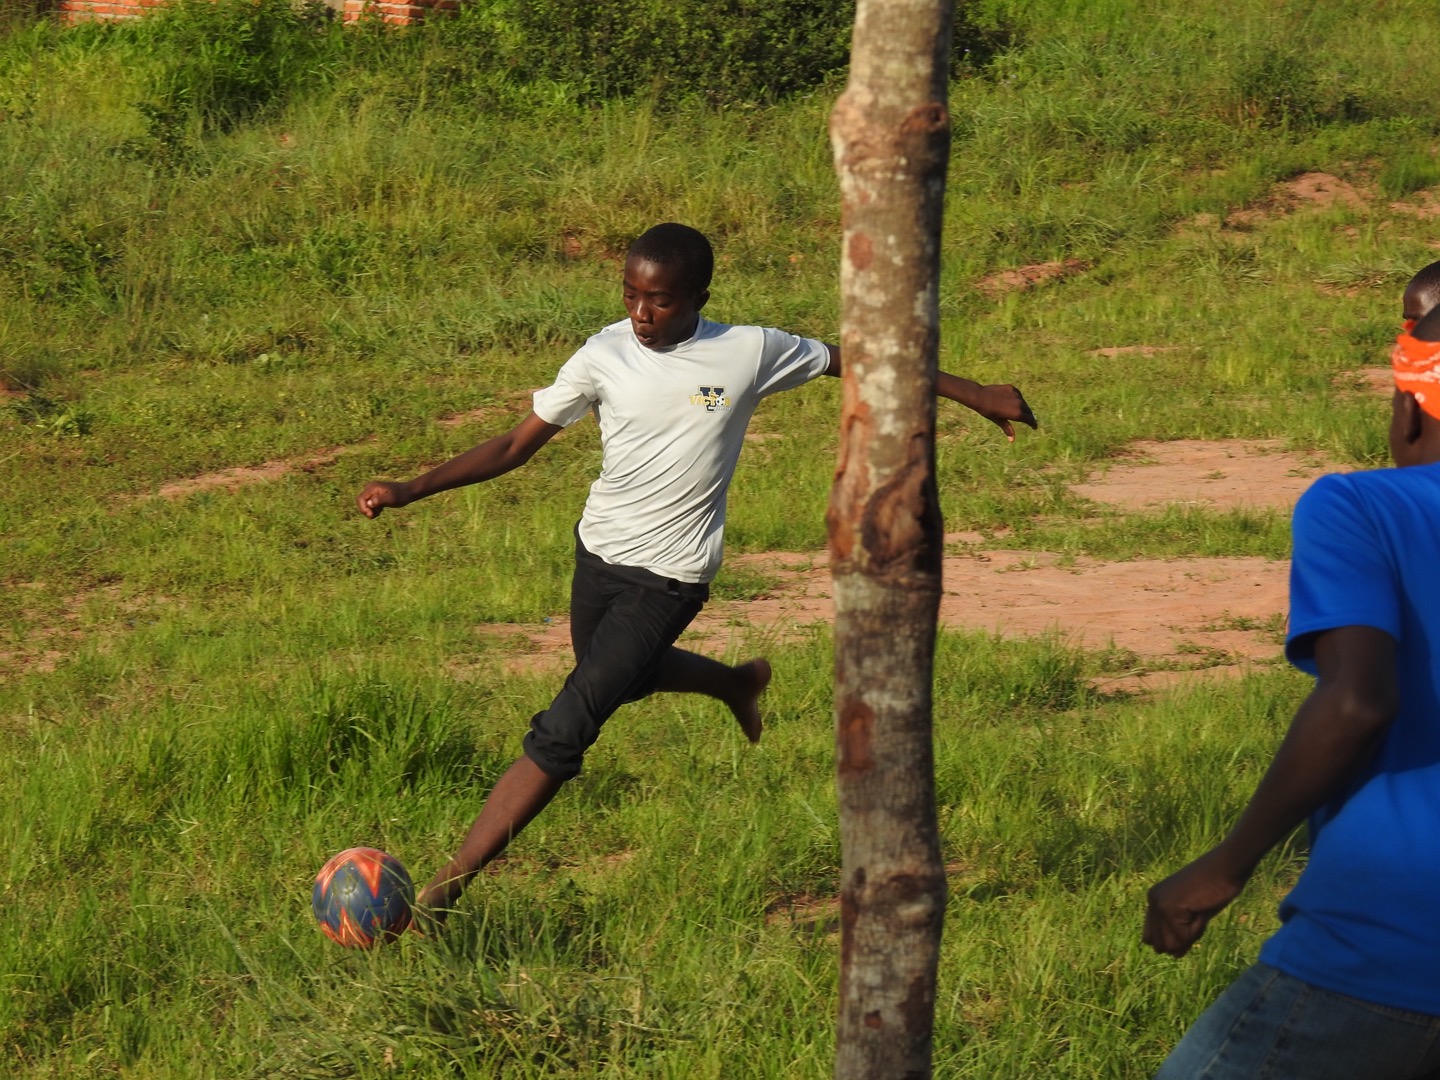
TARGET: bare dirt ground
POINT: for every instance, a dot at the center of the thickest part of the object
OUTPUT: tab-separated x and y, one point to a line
1135	350
1371	380
1178	618
1216	475
1171	615
1027	277
1424	205
1314	189
1167	619
244	476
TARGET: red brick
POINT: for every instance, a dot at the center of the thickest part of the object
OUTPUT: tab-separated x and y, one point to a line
395	12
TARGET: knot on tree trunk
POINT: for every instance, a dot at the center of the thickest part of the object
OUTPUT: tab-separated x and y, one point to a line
900	525
890	531
868	140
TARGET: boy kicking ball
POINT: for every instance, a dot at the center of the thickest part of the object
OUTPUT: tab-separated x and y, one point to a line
673	393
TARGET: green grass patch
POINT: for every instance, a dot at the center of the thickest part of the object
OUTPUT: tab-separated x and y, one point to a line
236	238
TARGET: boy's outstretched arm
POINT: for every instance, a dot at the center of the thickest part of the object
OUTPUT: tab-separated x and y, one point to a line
1000	403
1334	731
492	458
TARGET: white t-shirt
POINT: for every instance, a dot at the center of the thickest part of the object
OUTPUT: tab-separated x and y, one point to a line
672	424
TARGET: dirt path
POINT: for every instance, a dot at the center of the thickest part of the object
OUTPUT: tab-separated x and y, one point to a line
1258	474
1175	616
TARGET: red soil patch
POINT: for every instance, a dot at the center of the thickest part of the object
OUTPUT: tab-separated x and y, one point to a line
808	914
33	660
1424	205
1371	380
1200	223
577	244
1174	615
244	475
1027	277
1136	350
513	405
46	647
469	416
1313	189
1168	612
1216	475
1322	189
1309	190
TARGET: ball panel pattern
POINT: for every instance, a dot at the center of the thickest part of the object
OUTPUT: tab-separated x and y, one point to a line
362	897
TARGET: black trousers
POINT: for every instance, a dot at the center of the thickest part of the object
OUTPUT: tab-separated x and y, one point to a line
623	620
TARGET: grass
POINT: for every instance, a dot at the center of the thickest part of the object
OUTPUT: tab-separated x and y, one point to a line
203	697
615	936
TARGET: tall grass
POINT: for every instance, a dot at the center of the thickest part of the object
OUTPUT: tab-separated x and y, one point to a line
222	247
166	834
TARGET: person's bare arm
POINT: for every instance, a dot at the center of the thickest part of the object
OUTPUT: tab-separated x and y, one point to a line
1000	403
491	458
1334	731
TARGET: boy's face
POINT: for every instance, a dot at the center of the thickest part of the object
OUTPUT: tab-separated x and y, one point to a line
663	309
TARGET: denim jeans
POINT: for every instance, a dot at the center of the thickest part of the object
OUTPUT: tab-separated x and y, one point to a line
1272	1026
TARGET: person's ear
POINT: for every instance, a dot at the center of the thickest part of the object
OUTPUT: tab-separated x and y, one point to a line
702	299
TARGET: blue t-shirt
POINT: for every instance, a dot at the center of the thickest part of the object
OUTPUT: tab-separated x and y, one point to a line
1364	918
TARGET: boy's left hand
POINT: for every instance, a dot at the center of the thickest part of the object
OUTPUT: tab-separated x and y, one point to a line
1004	406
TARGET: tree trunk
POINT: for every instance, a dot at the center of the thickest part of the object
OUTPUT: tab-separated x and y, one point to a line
891	135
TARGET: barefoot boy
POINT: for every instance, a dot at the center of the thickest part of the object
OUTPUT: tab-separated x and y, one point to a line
1349	986
673	393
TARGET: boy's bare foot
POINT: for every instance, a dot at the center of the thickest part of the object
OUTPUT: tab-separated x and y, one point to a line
753	677
739	687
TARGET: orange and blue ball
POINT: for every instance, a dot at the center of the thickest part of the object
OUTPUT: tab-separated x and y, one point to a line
362	897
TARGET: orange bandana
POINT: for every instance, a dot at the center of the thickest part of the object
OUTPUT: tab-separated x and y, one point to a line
1417	371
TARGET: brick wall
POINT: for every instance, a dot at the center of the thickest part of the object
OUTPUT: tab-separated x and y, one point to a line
399	12
80	10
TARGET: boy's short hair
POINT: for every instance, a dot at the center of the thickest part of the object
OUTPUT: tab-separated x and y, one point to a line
673	244
1426	281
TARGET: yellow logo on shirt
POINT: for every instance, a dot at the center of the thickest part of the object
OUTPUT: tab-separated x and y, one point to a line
712	397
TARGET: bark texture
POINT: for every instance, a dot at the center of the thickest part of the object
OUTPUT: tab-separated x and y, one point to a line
890	131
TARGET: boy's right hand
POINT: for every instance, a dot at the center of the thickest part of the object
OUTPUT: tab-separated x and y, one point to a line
1001	404
1180	908
379	494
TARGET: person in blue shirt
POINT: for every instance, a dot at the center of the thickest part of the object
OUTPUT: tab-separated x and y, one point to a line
1349	987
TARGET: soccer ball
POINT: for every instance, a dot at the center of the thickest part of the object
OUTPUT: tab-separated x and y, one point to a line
362	897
